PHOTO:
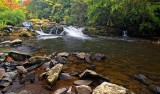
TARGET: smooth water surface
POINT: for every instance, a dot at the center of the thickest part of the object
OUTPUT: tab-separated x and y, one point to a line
126	58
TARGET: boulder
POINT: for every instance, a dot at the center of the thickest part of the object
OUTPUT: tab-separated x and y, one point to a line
81	55
6	89
63	54
16	42
92	75
5	43
109	88
143	79
18	55
60	59
12	74
83	82
155	89
65	76
83	89
29	77
21	69
87	57
6	81
38	59
99	57
54	73
60	91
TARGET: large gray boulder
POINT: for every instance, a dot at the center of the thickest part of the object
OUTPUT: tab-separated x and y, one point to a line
54	73
92	75
109	88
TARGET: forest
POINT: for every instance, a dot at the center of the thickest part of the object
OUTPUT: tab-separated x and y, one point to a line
138	17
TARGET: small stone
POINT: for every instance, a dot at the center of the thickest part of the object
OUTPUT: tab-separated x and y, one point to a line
25	92
63	54
70	91
81	55
21	69
83	82
2	73
60	91
91	67
99	57
143	79
65	76
87	57
83	89
60	59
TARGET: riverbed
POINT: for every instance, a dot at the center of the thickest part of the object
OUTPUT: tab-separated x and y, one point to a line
126	57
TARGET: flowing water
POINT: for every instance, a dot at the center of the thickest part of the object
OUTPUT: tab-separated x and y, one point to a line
126	57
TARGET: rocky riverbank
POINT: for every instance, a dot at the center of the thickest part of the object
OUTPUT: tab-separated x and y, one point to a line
54	69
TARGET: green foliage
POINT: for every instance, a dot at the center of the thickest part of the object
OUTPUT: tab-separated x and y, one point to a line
143	15
12	17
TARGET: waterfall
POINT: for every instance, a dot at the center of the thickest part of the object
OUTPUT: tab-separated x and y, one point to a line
124	34
74	32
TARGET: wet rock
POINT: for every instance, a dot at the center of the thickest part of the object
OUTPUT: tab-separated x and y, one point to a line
6	81
63	54
54	73
18	56
60	59
51	64
91	67
143	79
155	89
5	43
2	57
41	76
6	89
26	48
11	74
83	89
83	82
53	55
71	90
29	77
16	42
21	70
92	75
73	73
48	87
99	57
38	59
2	73
109	88
81	55
87	57
36	65
60	91
65	76
25	92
